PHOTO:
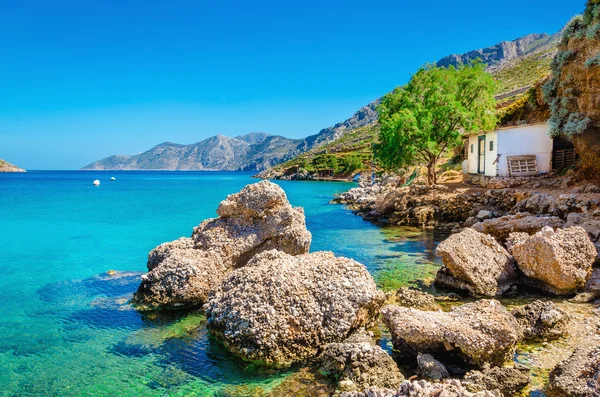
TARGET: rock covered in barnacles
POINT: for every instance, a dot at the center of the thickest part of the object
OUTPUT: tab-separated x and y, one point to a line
542	320
410	297
505	380
357	363
578	375
559	261
478	333
257	219
423	388
280	309
475	262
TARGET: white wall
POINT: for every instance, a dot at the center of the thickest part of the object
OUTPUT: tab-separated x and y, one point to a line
531	139
490	155
472	156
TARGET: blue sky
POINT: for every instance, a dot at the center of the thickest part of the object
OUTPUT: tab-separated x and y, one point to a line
81	80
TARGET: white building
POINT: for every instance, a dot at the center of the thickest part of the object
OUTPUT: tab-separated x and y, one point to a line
512	151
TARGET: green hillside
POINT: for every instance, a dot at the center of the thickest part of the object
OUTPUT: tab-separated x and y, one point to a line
343	157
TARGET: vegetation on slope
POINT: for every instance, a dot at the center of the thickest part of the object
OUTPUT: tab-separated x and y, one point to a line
342	158
524	72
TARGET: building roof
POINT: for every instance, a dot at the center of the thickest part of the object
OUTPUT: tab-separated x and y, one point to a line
512	127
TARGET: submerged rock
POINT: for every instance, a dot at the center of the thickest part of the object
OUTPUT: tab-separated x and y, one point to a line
258	218
478	333
559	262
542	320
577	376
475	262
501	228
410	297
504	380
280	309
356	363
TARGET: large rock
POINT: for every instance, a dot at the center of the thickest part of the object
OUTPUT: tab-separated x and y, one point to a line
542	320
258	218
357	364
182	279
478	333
501	228
577	376
505	380
280	309
559	262
475	262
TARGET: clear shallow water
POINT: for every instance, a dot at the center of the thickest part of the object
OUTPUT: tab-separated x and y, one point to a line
66	328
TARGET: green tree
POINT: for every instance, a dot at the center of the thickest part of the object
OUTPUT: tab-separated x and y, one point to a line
428	115
325	162
352	163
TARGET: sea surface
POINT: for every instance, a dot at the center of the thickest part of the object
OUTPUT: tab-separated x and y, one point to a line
71	255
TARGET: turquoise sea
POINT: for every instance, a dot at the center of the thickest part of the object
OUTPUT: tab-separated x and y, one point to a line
71	255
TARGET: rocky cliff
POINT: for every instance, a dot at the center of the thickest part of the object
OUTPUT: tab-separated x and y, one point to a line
573	91
252	152
8	167
503	52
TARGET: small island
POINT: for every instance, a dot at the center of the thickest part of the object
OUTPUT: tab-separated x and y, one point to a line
8	167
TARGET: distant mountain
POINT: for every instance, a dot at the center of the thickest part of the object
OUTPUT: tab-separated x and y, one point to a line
252	152
365	116
502	52
8	167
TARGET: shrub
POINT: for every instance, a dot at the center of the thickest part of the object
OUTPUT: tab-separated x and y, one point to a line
593	61
576	124
325	161
554	126
593	31
575	25
592	12
549	89
562	58
351	163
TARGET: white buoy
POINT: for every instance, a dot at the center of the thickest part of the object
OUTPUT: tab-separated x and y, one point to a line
113	179
96	182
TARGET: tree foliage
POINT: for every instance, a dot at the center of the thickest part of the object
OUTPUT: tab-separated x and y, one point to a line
423	119
325	162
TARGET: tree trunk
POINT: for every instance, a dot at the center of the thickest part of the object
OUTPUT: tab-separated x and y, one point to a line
430	173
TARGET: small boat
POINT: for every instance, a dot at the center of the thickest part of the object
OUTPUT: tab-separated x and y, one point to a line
96	182
113	179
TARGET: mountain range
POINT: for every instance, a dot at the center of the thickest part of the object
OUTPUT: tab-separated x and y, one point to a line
516	65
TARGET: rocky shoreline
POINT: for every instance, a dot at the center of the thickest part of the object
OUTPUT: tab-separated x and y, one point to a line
270	301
